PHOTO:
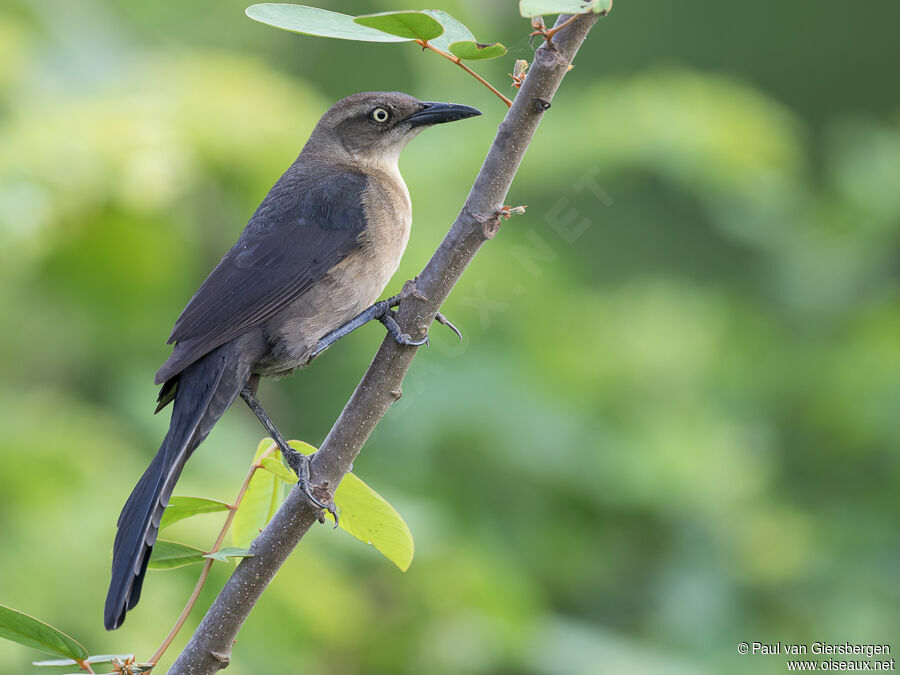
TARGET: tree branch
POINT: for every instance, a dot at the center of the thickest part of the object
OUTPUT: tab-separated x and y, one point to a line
209	649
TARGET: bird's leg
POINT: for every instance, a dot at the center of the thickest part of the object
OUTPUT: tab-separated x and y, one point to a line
381	311
298	462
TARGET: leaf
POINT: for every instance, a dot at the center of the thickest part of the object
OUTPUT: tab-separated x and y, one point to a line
168	555
303	447
315	21
261	500
529	8
278	468
370	518
31	632
180	508
227	552
456	32
474	51
100	658
406	24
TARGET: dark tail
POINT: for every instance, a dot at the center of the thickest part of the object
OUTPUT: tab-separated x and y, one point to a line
203	393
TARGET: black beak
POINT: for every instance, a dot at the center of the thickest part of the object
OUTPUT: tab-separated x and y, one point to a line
438	113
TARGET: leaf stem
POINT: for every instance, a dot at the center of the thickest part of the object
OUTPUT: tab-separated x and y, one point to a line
84	665
455	59
208	563
548	35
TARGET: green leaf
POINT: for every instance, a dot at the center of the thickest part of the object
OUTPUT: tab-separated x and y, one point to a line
100	658
227	552
370	518
529	8
474	51
305	448
167	555
31	632
263	496
180	508
406	24
456	32
278	468
315	21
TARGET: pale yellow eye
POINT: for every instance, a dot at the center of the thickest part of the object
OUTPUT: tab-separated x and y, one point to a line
380	115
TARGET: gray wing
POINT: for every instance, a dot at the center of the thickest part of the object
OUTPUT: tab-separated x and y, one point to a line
303	229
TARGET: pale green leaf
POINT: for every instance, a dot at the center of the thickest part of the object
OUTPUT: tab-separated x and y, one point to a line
185	507
167	555
305	448
315	21
99	658
529	8
408	24
278	468
261	500
455	32
475	51
370	518
263	446
31	632
227	552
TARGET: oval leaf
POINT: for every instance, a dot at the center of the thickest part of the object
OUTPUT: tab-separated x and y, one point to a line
315	21
529	8
227	552
370	518
167	555
473	51
180	508
278	468
406	24
263	446
454	30
100	658
301	446
261	500
31	632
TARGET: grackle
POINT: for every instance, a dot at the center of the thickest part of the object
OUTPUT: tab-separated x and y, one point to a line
318	251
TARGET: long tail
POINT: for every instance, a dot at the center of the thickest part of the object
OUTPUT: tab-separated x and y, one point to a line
203	393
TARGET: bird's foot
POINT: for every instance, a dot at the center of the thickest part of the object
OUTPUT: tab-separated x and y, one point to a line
383	312
299	464
389	320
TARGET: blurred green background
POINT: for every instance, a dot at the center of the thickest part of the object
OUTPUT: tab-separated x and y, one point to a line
672	424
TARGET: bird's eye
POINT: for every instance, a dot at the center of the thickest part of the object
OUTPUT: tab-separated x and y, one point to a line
380	115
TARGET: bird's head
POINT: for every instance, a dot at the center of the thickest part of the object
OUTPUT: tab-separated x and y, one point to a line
373	127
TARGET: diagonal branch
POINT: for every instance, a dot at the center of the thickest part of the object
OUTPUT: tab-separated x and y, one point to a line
209	649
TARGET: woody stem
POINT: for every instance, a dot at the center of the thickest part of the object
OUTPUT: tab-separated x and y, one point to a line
458	61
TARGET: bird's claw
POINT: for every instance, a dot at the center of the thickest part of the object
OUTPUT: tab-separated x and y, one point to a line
299	464
441	319
406	339
389	319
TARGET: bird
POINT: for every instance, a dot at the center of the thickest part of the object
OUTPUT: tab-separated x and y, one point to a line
307	268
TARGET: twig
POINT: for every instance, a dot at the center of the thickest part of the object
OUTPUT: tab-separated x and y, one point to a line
209	649
458	61
548	35
208	563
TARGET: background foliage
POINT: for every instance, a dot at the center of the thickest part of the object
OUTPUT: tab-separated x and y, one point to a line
672	425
